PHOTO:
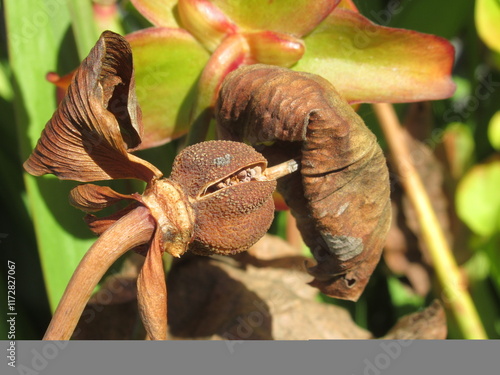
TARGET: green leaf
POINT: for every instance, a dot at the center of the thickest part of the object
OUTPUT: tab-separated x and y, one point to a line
162	13
61	235
371	63
494	131
167	65
403	299
487	16
477	199
296	17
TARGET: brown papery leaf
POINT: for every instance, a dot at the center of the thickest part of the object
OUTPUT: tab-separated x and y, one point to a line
152	292
340	197
226	299
91	198
98	120
428	324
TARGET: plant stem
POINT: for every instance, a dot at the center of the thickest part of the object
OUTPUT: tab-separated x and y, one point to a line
282	169
455	293
131	230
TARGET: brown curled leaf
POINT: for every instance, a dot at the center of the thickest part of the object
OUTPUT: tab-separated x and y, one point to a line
98	120
92	198
340	197
152	292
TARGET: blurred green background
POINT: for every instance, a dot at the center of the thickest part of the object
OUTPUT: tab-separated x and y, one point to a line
463	132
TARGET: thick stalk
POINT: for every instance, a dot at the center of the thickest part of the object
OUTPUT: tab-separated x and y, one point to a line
455	293
133	229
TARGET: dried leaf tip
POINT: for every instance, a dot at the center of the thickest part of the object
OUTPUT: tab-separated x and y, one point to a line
97	122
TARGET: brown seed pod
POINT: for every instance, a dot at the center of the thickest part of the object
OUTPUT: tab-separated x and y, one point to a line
231	198
340	197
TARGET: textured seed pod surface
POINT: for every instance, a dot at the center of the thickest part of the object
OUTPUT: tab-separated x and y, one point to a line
340	197
231	198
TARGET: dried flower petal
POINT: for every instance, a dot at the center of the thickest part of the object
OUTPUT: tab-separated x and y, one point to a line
152	292
88	136
92	198
340	198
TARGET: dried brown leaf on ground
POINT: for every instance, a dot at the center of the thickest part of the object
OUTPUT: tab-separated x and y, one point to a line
427	324
262	296
245	297
112	313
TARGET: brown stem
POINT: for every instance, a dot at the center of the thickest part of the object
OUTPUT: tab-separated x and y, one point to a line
152	293
133	229
447	270
280	170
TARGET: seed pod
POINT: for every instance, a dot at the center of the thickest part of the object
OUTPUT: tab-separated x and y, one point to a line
231	198
340	197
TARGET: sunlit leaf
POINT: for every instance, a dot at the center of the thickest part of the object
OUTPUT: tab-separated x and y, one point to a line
158	12
296	17
371	63
167	65
487	16
205	21
478	201
62	239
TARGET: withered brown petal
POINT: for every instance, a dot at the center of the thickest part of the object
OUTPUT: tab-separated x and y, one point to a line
92	198
340	198
152	292
98	120
98	225
233	218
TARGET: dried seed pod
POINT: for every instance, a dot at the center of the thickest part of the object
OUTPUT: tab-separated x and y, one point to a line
340	198
231	214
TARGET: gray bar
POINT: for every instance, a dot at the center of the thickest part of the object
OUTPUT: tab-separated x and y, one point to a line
371	357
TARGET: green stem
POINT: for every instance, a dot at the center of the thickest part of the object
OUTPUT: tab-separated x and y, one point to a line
455	293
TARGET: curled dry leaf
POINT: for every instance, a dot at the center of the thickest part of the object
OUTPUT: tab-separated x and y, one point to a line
98	120
340	197
90	198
